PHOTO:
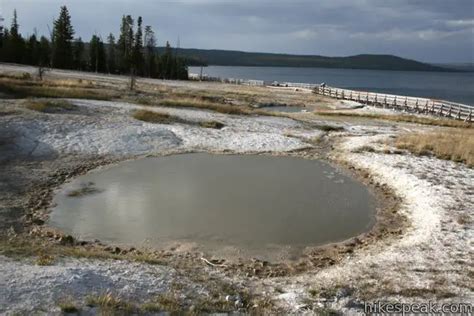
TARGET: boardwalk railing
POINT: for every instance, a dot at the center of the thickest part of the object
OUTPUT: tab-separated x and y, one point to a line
410	104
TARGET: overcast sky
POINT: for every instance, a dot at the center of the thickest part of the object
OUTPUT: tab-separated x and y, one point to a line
426	30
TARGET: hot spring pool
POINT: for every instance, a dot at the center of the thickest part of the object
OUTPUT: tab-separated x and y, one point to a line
216	201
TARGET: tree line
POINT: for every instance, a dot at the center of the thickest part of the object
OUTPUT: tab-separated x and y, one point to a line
133	53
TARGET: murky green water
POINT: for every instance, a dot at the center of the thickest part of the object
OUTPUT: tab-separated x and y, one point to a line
248	202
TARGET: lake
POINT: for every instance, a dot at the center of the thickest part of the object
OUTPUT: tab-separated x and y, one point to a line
250	203
452	86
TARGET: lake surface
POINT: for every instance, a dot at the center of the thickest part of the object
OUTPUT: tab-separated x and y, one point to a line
452	86
249	202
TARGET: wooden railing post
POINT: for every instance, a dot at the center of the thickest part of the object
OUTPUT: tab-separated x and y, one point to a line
440	112
405	103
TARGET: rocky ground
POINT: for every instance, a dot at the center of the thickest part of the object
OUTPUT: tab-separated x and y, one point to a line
425	254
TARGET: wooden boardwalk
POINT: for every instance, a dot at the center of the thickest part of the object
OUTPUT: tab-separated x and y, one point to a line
408	104
433	107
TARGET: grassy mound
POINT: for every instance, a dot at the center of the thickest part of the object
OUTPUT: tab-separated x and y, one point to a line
48	106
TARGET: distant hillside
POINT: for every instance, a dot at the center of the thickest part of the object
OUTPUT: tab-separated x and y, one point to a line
237	58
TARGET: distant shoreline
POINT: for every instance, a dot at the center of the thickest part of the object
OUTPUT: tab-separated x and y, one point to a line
215	57
454	70
452	86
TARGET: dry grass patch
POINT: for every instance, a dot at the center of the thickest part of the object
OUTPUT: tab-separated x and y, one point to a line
211	124
154	117
67	305
23	88
206	105
49	106
452	144
20	247
44	260
166	302
165	118
109	303
401	118
330	128
363	149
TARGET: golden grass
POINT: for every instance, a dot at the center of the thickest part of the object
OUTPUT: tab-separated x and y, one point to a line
23	88
19	247
451	144
164	118
109	303
153	117
211	124
206	105
401	118
44	260
168	302
67	305
49	106
218	107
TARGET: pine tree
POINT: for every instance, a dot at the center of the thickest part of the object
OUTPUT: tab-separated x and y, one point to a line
30	55
182	69
111	56
125	44
15	44
63	34
5	54
97	57
167	62
1	36
44	52
14	28
138	49
78	48
150	55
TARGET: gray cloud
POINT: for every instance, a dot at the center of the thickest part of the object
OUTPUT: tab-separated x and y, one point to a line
428	30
